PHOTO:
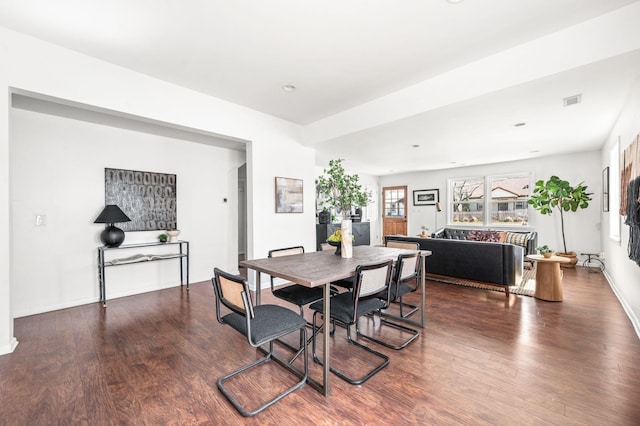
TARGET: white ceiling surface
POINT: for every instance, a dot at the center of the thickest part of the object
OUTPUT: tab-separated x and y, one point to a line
349	58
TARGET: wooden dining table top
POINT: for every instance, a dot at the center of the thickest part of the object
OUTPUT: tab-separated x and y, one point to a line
321	267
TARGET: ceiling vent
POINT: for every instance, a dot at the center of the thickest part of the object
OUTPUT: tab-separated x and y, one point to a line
572	100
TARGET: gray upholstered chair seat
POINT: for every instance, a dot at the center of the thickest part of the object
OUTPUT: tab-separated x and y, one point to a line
270	322
297	294
342	306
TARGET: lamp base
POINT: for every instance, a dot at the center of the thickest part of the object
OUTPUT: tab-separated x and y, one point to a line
112	236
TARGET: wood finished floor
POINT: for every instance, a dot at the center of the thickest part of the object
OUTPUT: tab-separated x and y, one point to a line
154	359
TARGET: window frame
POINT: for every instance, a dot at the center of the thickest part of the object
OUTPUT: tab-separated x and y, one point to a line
486	202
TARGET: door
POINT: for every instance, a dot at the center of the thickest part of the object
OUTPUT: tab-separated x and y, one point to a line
394	215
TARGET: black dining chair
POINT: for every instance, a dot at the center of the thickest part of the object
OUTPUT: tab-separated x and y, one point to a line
347	307
406	283
260	324
404	269
295	294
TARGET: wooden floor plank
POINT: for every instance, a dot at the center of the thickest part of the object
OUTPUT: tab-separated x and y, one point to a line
155	358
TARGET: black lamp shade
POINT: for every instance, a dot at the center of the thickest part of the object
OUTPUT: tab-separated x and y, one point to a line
112	214
112	236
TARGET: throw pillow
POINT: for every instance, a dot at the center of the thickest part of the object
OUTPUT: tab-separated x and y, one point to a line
478	235
516	238
502	236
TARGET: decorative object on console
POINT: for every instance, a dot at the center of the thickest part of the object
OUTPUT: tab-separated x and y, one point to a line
149	198
560	194
163	237
423	232
173	235
112	236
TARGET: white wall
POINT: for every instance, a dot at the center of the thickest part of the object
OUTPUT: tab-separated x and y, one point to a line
623	273
57	170
30	65
582	229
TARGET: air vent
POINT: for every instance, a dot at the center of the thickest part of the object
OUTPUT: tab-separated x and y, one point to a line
572	100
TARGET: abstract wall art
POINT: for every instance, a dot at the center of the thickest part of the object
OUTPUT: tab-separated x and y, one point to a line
148	198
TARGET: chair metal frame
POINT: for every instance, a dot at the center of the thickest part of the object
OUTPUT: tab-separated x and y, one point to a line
405	268
232	291
370	281
309	294
406	276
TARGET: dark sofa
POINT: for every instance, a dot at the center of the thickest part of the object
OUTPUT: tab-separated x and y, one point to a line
490	262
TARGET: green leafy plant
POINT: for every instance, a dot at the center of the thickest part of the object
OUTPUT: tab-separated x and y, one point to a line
558	194
341	191
163	238
544	249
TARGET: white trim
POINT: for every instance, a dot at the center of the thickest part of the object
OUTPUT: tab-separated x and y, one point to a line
627	309
7	349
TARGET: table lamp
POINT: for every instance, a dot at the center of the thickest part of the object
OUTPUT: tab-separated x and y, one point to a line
112	236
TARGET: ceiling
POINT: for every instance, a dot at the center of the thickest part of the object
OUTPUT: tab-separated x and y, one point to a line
374	78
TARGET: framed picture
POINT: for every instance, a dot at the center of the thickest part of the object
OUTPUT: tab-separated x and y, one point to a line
426	197
288	195
148	198
605	189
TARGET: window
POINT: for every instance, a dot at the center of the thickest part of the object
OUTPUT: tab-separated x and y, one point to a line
394	202
465	194
505	204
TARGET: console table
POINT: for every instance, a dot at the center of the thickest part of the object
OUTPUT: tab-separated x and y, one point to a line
182	254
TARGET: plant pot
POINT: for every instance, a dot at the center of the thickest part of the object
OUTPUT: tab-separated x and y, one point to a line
547	254
573	257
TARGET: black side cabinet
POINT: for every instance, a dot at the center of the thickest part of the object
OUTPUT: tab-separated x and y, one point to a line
361	230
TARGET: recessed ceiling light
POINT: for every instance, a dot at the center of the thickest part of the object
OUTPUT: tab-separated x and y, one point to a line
535	151
289	88
455	1
415	146
519	124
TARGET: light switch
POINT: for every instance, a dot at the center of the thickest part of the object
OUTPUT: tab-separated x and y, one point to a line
41	220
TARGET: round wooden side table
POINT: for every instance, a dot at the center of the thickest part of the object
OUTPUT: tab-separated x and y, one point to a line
548	277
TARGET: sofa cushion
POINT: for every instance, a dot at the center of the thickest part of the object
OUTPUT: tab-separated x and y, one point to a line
480	235
517	238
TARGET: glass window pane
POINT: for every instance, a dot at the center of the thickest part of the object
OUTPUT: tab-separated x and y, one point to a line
509	196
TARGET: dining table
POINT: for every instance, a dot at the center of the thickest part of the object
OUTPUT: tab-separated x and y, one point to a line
320	269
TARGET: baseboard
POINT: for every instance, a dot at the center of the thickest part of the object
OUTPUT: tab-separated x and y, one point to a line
7	349
627	309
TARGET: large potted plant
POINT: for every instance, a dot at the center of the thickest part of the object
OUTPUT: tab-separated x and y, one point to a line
560	195
340	190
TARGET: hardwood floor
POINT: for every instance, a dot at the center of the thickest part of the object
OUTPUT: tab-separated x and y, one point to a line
155	358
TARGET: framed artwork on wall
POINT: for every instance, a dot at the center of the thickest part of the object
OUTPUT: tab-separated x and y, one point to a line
426	197
148	198
289	195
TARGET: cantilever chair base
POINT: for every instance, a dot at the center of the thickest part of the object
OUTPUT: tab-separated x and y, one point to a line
412	332
266	358
343	376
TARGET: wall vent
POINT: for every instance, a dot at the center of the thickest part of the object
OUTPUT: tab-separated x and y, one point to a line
572	100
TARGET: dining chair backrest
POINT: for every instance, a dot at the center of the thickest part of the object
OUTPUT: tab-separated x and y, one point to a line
406	266
286	251
372	279
409	245
233	292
